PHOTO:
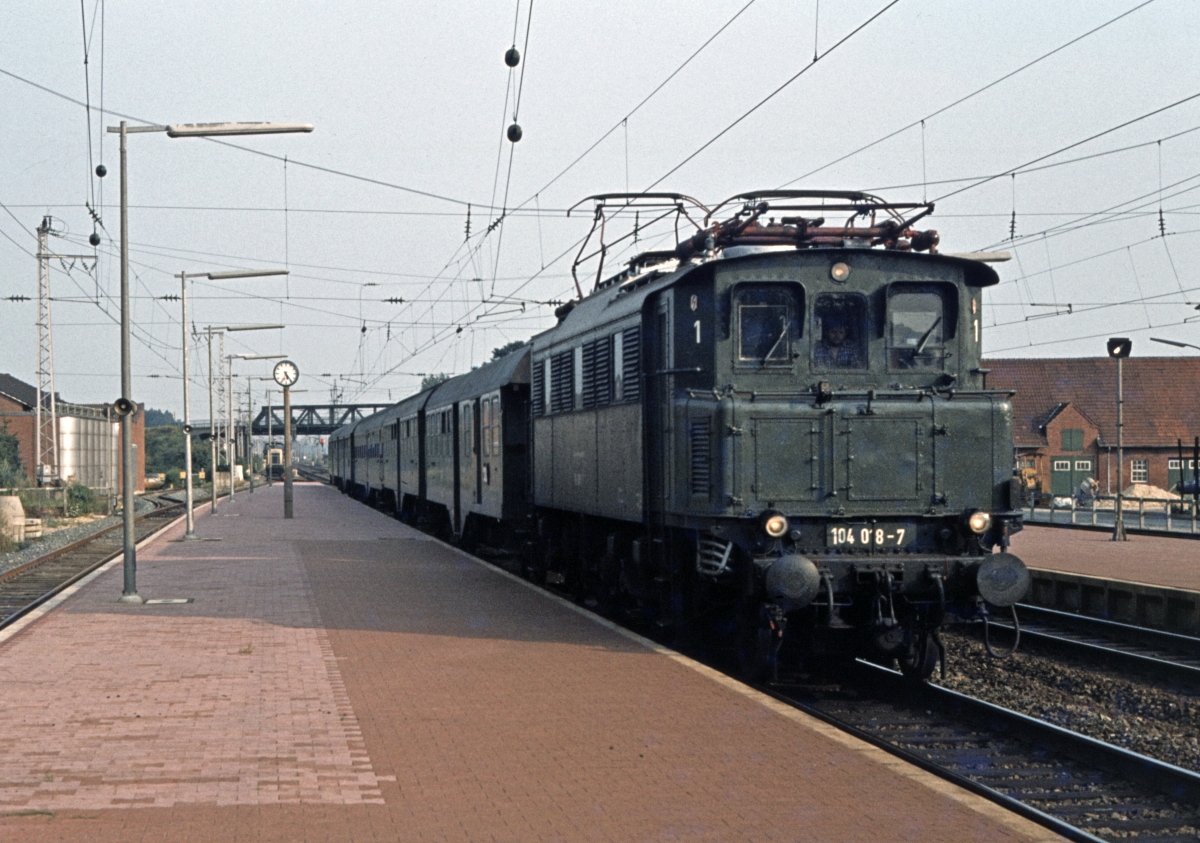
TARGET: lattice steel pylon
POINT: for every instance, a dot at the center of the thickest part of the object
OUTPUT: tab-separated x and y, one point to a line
46	448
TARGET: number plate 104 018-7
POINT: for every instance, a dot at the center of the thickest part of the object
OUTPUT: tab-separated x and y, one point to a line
868	535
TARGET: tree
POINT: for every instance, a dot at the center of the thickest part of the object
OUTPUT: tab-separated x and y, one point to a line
430	381
165	449
157	418
507	349
11	473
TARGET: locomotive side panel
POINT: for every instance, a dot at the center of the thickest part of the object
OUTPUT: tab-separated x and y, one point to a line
620	462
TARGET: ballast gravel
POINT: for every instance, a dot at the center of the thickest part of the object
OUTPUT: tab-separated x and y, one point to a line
1093	700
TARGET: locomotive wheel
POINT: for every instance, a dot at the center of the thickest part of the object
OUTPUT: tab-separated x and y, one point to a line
920	661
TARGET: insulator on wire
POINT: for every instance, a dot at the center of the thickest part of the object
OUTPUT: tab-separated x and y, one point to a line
1162	224
514	132
1012	227
513	57
101	170
94	239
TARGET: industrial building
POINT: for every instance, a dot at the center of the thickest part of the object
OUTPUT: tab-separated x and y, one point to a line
88	438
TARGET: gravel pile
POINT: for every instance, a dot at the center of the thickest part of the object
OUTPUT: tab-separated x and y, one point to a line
62	538
1092	700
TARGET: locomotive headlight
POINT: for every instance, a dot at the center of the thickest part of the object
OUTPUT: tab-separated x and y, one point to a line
774	523
839	271
979	522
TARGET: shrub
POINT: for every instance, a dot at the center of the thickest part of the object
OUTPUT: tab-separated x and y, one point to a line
82	500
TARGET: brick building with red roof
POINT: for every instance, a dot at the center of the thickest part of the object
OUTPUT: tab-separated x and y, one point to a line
1065	419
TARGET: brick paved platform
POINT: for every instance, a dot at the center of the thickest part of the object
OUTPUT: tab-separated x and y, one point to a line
1166	561
341	677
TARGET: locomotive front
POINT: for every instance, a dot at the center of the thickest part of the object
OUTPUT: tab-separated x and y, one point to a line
837	457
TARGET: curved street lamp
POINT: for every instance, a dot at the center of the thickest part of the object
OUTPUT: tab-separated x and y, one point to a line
129	593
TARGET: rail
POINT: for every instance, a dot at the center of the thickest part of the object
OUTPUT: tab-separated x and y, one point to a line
1079	787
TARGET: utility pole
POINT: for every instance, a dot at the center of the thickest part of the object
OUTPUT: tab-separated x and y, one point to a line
46	450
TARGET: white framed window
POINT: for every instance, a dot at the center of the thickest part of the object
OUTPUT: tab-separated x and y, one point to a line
1173	464
1139	471
1062	465
1083	465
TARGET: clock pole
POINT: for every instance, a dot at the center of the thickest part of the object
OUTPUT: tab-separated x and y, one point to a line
287	452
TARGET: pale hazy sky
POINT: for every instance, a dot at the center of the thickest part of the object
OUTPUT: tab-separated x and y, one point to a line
413	95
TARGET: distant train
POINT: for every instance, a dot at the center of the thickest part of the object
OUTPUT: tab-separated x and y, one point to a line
774	439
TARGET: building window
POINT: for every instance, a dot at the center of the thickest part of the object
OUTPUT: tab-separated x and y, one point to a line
1062	465
1072	439
1173	465
1027	462
1083	465
1139	471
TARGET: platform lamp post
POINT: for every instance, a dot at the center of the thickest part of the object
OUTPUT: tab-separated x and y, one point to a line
183	277
1119	348
250	422
212	435
125	405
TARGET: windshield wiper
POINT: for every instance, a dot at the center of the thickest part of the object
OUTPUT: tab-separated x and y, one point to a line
775	344
927	335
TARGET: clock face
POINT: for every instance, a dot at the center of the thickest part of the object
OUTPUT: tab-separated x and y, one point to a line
286	373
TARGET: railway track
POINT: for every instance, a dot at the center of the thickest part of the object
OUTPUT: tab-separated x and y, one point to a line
1081	788
28	586
1165	656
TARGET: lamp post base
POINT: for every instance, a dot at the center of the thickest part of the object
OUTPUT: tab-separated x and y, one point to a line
131	598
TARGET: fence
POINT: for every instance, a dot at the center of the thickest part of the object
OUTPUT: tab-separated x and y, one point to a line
1175	515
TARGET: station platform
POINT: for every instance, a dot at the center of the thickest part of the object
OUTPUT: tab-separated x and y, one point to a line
1163	561
341	677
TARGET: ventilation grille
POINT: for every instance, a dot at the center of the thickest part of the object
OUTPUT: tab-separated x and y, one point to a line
537	397
631	366
597	373
562	382
701	457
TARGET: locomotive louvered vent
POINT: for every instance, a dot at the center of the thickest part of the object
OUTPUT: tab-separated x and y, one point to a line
701	457
538	389
631	366
597	373
562	382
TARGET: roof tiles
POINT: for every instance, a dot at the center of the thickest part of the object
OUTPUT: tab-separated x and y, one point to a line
1160	396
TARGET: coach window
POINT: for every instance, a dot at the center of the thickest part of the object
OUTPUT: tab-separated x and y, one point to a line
768	324
840	326
918	324
485	425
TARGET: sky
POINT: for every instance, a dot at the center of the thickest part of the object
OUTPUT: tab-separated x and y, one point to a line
410	103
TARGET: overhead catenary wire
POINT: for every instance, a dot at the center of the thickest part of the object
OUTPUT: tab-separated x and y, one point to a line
772	95
969	96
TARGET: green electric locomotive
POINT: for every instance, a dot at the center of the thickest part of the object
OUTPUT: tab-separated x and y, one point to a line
778	436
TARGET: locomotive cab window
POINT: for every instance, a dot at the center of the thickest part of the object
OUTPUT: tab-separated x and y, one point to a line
918	324
840	326
768	324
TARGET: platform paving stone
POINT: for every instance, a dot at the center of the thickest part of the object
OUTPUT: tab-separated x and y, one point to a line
1168	561
341	677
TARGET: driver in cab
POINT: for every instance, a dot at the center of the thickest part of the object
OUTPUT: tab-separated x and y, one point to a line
836	350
